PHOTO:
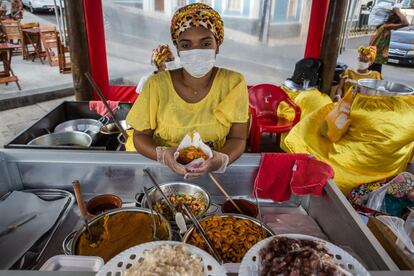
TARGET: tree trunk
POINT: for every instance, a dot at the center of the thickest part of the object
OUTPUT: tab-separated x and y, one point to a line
331	41
79	52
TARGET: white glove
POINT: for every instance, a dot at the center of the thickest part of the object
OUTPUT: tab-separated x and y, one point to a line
218	163
165	156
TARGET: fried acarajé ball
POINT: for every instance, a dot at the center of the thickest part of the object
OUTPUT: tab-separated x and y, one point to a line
189	154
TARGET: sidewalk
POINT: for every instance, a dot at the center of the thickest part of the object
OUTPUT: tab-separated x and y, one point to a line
34	75
16	120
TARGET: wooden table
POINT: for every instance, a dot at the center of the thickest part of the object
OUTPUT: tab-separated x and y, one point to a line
7	75
32	36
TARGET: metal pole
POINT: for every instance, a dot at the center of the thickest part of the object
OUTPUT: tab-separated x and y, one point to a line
63	20
57	16
345	44
79	51
331	42
265	22
348	19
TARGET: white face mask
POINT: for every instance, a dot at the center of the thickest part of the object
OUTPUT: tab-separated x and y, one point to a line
198	62
172	65
363	65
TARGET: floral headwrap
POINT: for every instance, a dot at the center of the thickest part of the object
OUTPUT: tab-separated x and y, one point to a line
160	54
370	52
195	15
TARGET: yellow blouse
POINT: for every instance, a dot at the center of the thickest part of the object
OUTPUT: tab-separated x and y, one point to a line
352	77
161	109
378	144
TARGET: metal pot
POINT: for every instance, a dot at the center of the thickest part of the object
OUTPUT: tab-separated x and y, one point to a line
89	126
372	87
268	230
111	128
178	188
63	139
69	243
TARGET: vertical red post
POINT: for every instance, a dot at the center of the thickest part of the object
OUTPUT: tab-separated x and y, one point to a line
97	45
317	20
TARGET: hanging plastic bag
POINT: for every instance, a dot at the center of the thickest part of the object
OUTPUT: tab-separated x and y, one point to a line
402	230
337	121
379	13
194	140
395	196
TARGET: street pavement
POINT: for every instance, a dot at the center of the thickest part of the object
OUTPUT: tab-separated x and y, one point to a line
35	75
16	120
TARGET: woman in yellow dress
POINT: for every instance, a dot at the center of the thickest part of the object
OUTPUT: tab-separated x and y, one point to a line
198	97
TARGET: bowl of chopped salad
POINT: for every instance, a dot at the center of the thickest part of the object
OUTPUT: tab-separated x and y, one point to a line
179	193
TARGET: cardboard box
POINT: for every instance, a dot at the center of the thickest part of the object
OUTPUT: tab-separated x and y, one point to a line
387	239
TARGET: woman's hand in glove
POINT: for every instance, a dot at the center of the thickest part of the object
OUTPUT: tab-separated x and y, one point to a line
218	163
166	156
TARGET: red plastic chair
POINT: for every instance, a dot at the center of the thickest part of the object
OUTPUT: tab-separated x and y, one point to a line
264	100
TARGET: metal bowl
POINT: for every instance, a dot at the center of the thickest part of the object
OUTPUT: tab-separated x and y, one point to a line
111	128
372	87
178	188
70	242
268	230
63	139
89	126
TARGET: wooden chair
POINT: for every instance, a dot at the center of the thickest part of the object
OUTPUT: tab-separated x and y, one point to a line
13	31
49	38
65	65
29	25
6	72
30	41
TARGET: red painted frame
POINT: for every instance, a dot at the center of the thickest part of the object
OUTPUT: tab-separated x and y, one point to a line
97	46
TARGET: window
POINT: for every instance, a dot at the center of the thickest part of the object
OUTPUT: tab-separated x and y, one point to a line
234	5
292	8
207	2
178	4
181	3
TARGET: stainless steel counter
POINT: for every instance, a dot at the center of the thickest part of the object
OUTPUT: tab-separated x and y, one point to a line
121	174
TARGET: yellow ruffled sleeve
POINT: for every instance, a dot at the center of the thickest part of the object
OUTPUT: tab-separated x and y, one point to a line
234	108
143	114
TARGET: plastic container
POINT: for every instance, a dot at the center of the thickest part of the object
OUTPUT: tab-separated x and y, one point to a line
73	263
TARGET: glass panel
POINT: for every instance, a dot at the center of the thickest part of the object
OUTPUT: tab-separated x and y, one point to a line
39	43
234	5
134	28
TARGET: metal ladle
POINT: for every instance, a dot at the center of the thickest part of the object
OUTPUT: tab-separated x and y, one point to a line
259	211
203	234
179	218
154	223
82	207
106	104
